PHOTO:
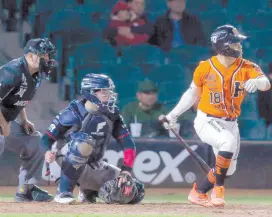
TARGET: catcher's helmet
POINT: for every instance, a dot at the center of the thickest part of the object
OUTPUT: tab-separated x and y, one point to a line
91	83
222	37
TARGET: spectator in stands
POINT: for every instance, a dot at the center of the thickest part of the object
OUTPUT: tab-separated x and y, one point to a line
265	108
137	6
25	5
177	27
8	15
147	110
137	27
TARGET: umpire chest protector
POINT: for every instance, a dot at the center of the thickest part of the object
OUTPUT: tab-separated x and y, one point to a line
24	85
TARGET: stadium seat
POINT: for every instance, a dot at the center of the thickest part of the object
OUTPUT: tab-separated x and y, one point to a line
250	7
264	54
159	7
152	16
196	6
125	73
249	107
260	38
169	73
75	26
52	5
125	89
101	6
252	129
212	20
93	67
118	73
97	51
172	90
141	54
44	11
247	23
186	54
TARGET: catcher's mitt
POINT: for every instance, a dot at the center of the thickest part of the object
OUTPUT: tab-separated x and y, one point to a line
111	193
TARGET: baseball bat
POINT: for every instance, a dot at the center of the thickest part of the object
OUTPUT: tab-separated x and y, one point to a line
198	160
48	172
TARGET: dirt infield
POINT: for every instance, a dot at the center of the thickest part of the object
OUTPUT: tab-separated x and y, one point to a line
142	209
156	209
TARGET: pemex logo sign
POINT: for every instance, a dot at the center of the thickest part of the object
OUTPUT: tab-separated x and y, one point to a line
148	162
150	167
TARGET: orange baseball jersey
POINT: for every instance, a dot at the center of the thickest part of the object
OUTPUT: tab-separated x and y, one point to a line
222	88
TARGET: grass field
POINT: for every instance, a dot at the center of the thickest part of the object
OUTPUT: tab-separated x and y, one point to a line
158	202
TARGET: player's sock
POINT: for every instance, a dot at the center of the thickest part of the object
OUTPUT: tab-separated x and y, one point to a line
207	183
222	165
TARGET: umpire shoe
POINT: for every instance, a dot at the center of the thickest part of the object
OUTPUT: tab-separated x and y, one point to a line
35	194
23	197
198	198
41	195
65	198
217	196
87	196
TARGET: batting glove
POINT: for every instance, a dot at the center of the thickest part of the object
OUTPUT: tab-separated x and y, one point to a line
171	121
251	85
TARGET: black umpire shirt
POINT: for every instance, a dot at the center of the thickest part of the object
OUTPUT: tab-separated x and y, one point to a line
17	87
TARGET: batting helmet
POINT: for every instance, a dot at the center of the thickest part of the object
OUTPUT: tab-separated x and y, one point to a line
222	37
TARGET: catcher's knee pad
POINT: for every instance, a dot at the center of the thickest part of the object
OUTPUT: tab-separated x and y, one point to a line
228	143
80	148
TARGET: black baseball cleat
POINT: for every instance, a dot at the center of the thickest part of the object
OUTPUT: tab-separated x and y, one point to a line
35	194
23	197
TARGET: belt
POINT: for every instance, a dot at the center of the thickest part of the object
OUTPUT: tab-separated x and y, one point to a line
222	118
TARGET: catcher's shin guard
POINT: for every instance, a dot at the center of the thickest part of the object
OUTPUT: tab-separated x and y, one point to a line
67	182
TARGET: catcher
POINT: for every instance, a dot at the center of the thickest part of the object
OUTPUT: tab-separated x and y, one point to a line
89	125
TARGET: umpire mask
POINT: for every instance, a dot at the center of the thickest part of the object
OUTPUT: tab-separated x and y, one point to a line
46	67
40	47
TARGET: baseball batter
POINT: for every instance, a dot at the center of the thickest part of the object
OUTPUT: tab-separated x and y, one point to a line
221	83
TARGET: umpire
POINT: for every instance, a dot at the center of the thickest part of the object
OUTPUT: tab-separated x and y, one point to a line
19	80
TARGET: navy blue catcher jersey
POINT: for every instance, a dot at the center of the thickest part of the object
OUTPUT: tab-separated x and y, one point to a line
101	125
